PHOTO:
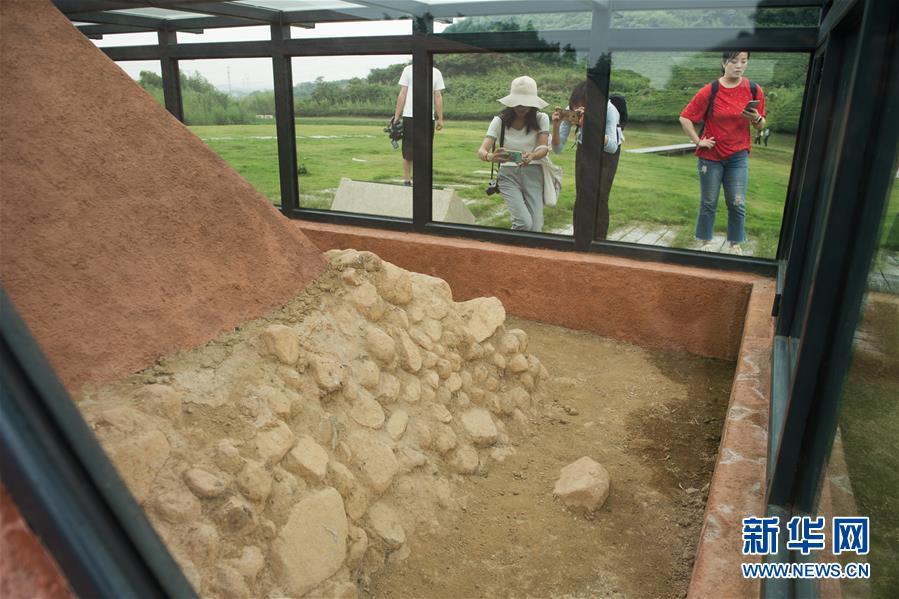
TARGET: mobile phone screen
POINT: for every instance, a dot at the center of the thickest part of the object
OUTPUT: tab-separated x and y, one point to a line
752	104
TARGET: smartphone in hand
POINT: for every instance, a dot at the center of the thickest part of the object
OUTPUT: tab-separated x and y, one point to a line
752	105
572	116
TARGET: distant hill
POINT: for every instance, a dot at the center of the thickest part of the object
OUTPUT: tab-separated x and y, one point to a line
657	85
631	19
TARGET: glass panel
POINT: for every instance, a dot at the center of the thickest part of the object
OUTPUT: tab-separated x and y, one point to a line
113	40
863	472
655	198
346	159
291	5
353	29
463	189
160	13
147	74
545	22
226	34
230	105
746	18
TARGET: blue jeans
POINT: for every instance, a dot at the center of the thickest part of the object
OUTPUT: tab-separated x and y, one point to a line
733	173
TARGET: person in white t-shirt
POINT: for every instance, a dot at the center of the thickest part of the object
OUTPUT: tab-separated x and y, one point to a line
404	110
524	132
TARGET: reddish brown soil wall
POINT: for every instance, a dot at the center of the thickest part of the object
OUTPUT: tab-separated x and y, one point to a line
124	237
649	304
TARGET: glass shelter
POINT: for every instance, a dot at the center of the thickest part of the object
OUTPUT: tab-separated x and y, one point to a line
820	204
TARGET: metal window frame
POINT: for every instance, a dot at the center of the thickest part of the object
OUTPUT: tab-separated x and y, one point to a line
845	187
834	194
601	42
65	486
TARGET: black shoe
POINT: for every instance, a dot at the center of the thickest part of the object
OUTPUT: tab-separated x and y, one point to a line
407	183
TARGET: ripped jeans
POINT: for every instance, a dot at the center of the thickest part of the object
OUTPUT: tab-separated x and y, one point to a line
733	174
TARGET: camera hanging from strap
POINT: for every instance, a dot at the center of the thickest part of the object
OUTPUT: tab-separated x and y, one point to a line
502	140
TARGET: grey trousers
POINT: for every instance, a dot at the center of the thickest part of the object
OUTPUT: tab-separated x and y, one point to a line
522	189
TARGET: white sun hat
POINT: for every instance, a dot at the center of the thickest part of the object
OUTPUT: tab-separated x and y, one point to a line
523	92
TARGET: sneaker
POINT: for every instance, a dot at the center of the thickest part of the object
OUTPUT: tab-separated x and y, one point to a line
736	250
707	247
407	183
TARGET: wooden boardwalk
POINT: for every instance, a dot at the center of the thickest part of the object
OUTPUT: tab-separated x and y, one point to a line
672	150
662	236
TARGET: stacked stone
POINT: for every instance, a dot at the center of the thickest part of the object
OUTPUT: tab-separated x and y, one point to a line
389	387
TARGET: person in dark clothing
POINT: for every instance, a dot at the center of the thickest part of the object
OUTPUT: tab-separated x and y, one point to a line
612	141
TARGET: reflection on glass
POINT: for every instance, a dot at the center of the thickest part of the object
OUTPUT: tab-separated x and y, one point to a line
482	91
663	194
863	472
559	21
350	156
230	105
745	18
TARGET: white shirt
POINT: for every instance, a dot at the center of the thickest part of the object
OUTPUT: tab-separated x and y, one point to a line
406	80
613	132
517	140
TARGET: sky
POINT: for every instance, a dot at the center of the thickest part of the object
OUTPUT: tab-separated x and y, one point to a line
247	74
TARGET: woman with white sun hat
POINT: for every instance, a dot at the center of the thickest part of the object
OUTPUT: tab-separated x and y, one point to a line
517	139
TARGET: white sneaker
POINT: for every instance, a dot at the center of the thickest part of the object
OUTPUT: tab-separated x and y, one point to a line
707	247
736	250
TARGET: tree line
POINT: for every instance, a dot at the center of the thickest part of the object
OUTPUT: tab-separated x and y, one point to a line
657	85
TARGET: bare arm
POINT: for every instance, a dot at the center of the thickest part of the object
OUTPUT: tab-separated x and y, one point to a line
690	129
438	107
757	120
400	102
485	154
540	151
556	118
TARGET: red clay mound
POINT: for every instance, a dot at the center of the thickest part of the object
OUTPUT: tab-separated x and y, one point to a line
124	237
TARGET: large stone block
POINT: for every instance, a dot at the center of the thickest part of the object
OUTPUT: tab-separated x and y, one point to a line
312	546
583	484
364	197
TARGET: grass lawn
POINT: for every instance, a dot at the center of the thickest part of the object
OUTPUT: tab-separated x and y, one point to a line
869	422
650	189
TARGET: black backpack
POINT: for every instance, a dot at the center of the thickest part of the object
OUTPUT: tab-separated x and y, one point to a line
753	88
620	104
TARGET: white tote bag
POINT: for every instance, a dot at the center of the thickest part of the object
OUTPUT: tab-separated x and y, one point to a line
552	182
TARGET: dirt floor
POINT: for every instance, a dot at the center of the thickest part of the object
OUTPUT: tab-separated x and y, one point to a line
652	418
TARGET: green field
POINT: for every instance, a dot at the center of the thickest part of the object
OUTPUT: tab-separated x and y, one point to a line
649	189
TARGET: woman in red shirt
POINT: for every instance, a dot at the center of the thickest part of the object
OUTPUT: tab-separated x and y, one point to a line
723	146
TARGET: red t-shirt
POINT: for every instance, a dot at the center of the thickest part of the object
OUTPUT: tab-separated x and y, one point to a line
727	125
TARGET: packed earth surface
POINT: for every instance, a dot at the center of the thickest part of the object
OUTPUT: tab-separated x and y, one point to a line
373	437
651	417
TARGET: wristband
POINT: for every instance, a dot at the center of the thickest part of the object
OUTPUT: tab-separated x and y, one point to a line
759	120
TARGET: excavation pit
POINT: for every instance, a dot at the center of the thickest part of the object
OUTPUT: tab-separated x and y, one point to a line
424	436
652	417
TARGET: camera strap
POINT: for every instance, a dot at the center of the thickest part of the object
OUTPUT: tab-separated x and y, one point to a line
502	140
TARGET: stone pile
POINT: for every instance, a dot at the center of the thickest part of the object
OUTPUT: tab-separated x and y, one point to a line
295	455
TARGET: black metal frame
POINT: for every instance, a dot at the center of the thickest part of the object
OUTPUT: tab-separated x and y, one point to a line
845	179
601	41
65	486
